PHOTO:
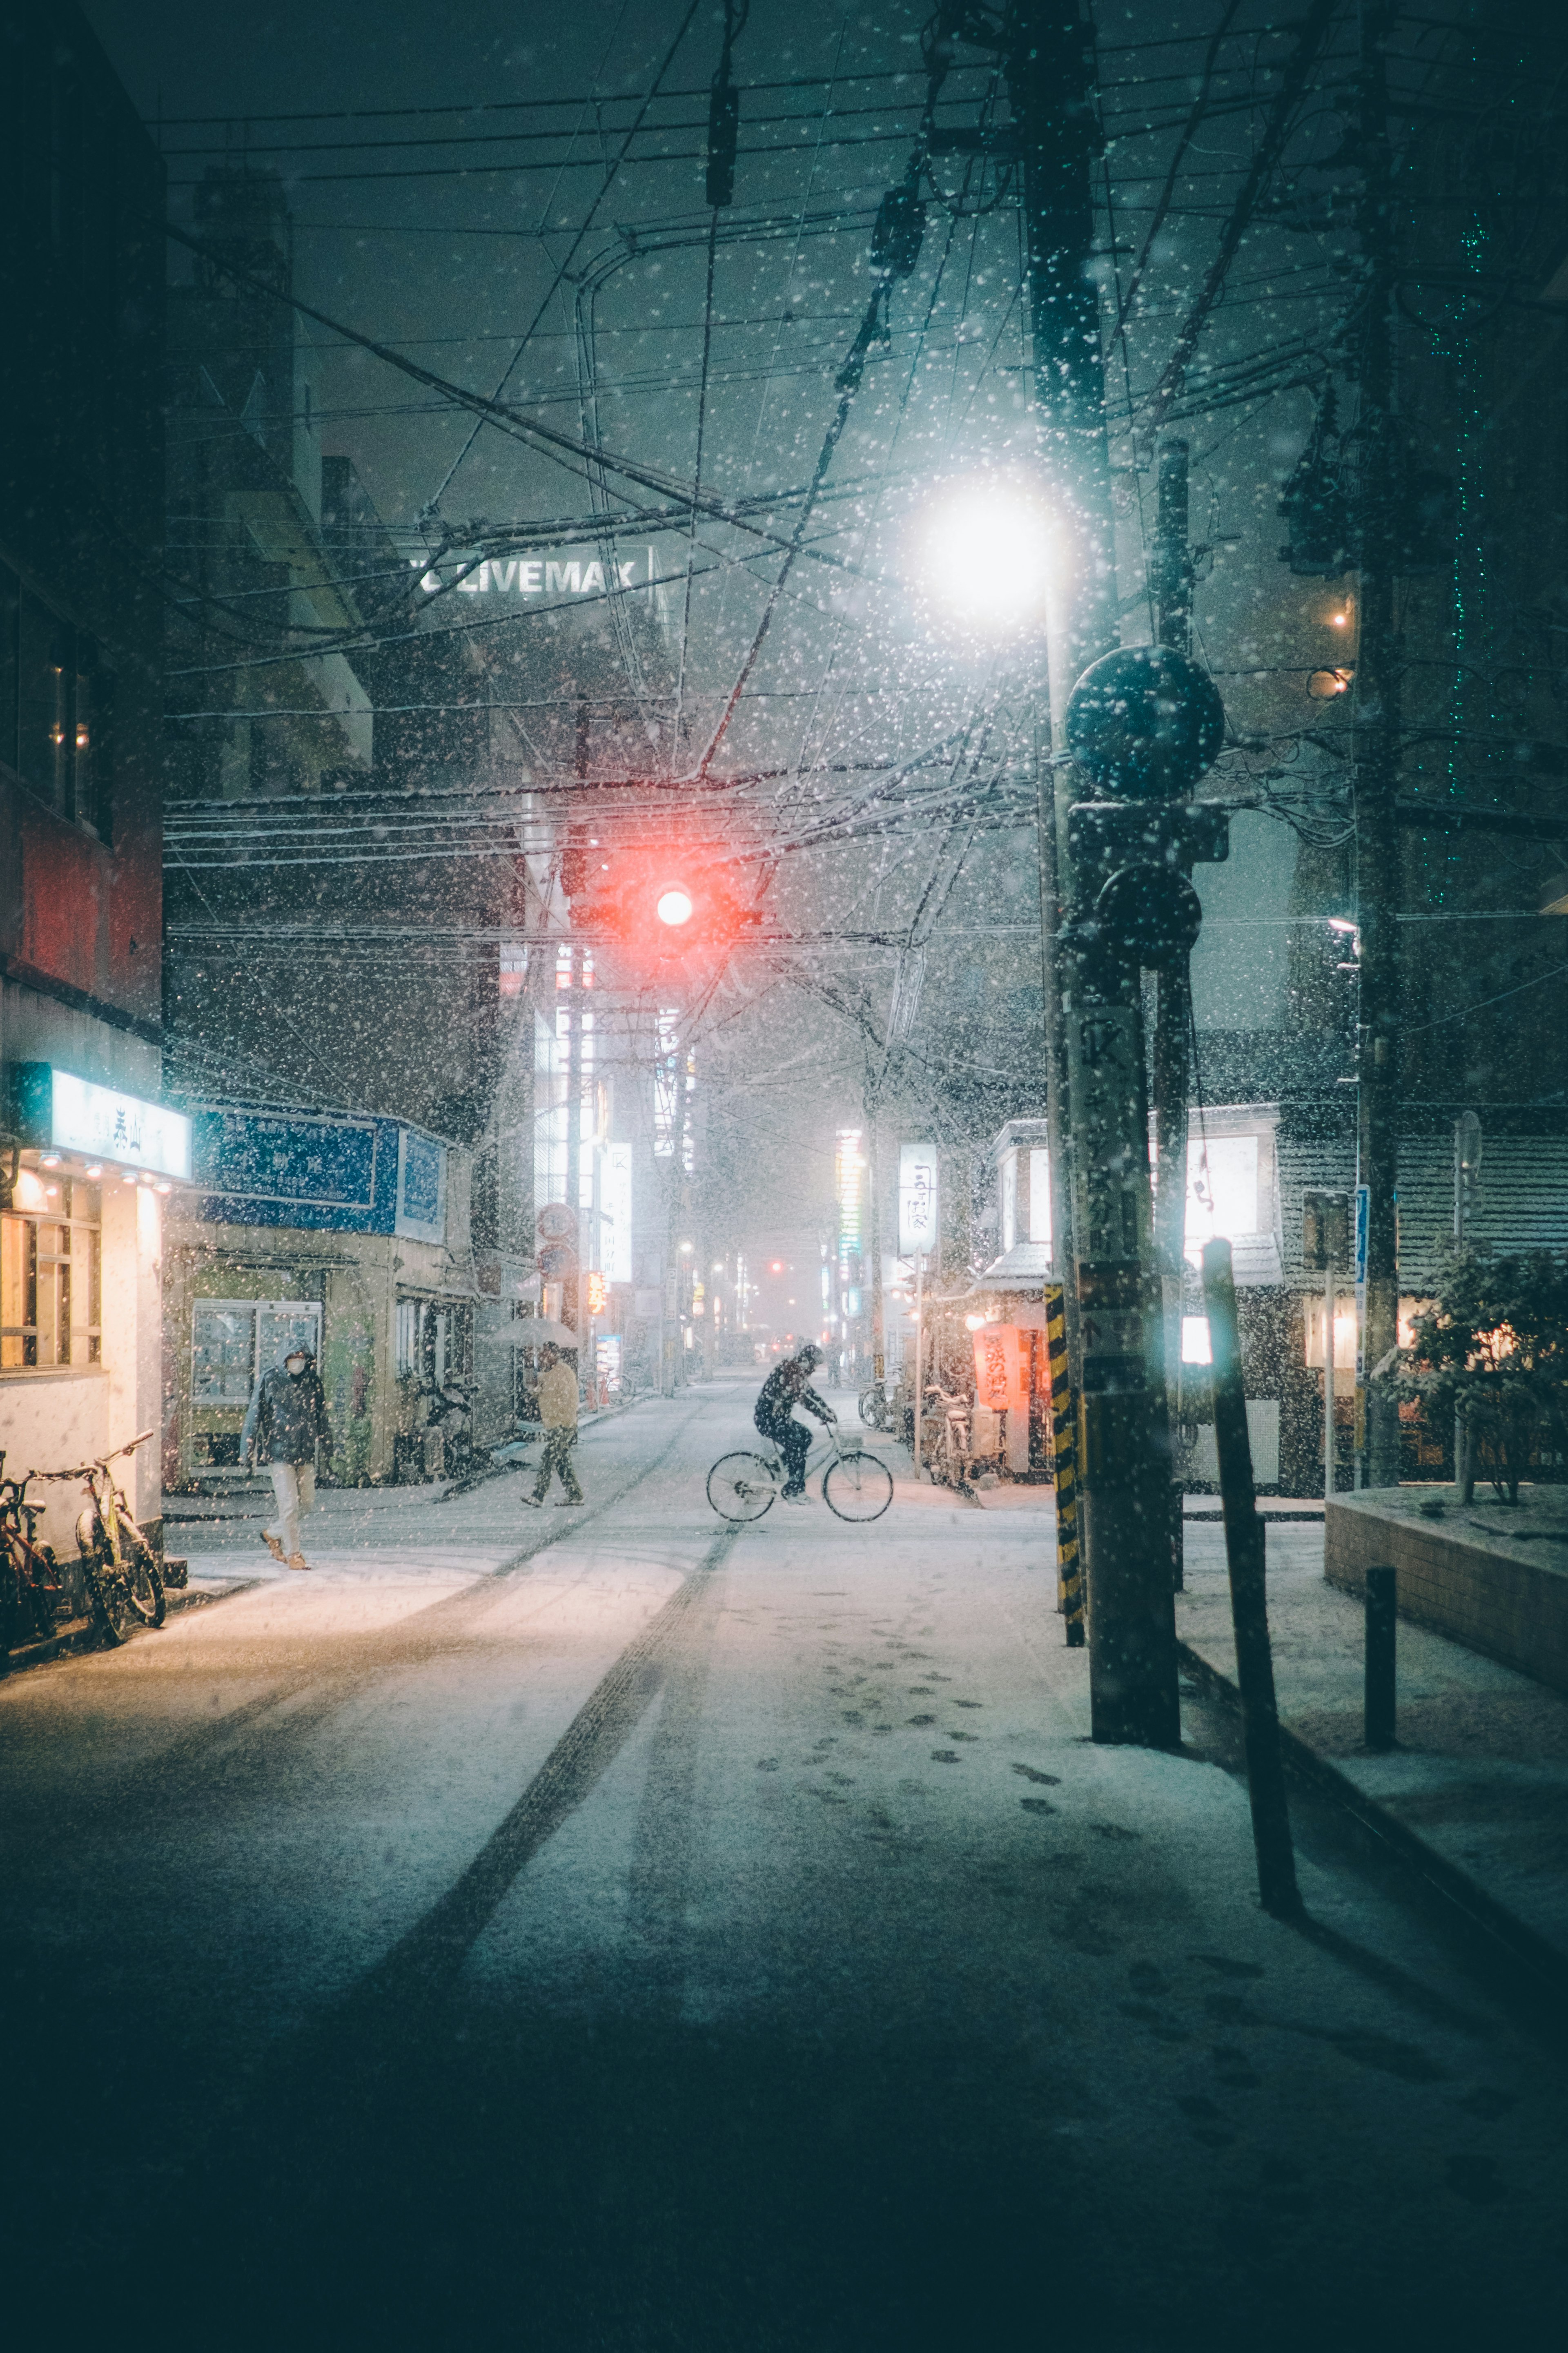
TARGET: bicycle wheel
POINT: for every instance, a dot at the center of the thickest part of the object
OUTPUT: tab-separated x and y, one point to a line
741	1487
106	1596
857	1487
145	1588
874	1408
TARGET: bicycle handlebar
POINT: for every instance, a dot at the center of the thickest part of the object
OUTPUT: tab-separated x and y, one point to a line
99	1462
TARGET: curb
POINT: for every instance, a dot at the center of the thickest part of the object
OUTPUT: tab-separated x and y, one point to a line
82	1635
1546	1964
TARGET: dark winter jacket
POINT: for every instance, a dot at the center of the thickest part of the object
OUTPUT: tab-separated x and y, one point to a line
786	1385
286	1418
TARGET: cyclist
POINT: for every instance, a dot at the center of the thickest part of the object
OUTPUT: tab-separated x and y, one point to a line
787	1386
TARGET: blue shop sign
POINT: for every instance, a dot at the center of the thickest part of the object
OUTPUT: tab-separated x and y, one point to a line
337	1175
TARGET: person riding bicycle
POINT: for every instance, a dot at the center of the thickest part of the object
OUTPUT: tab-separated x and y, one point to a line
787	1386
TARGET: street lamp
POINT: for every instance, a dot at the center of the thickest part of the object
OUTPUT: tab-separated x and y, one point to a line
987	552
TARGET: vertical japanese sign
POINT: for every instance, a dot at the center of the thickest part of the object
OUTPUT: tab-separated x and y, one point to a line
917	1199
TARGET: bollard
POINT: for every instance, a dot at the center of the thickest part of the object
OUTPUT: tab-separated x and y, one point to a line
1244	1543
1382	1603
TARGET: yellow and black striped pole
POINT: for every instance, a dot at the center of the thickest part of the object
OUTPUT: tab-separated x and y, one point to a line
1064	1470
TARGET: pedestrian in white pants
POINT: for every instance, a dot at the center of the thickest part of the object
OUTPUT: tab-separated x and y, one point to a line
286	1422
294	1485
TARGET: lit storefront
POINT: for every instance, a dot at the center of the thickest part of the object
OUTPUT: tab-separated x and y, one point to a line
84	1181
350	1235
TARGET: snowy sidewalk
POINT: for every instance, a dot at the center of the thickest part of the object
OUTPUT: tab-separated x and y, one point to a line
1476	1788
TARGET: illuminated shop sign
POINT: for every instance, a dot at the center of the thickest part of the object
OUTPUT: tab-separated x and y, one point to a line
917	1199
539	576
64	1114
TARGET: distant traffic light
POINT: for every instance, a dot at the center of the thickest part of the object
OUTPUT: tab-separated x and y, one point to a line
660	905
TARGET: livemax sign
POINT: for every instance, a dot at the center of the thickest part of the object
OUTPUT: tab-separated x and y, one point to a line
542	575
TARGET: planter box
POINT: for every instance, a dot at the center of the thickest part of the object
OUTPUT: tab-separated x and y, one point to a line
1488	1575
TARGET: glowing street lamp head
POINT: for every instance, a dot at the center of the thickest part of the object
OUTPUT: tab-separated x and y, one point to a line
987	554
674	905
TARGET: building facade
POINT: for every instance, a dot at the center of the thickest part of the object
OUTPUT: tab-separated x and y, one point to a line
353	1236
87	1153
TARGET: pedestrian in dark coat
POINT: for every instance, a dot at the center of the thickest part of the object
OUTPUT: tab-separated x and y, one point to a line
285	1423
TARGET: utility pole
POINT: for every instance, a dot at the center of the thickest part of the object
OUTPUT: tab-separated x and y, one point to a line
572	1286
1376	722
1171	580
1097	1093
1050	85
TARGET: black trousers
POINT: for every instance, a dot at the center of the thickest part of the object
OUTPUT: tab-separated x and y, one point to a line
794	1441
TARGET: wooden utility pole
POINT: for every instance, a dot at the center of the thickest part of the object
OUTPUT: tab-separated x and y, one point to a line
1096	1090
572	1285
1376	720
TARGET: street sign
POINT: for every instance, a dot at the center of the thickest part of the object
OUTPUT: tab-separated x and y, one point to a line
1325	1242
556	1223
918	1201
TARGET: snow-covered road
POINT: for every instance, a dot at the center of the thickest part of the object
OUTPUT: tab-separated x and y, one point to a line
686	1940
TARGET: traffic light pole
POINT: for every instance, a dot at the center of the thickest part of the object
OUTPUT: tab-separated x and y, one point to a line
1376	722
1097	1094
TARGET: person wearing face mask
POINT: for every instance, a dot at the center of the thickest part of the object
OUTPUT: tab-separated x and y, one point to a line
284	1424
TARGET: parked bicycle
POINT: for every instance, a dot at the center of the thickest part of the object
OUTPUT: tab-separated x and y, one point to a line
945	1438
33	1598
119	1566
855	1484
876	1408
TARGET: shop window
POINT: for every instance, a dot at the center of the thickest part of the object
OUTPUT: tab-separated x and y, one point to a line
51	1261
56	709
233	1341
1222	1190
434	1343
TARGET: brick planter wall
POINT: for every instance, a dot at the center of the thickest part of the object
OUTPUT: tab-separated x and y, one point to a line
1454	1578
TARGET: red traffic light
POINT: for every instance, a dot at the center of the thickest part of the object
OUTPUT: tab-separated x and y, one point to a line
660	904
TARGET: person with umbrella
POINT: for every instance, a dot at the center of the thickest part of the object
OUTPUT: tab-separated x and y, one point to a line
558	1412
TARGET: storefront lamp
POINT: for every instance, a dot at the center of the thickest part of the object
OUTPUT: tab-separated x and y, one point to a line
975	1322
48	1159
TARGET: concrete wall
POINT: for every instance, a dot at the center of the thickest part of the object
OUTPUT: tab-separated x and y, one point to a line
53	1420
1482	1594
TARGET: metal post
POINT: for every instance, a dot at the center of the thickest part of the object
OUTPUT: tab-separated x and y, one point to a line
874	1236
919	1352
1244	1544
1467	1169
1171	569
1331	1444
1382	1619
1376	722
572	1285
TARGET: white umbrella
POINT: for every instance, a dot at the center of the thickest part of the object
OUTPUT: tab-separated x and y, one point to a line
534	1331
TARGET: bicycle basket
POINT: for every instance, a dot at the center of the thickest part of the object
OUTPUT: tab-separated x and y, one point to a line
850	1441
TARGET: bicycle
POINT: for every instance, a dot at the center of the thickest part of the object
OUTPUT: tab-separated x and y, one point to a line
119	1569
32	1597
876	1410
854	1486
946	1443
